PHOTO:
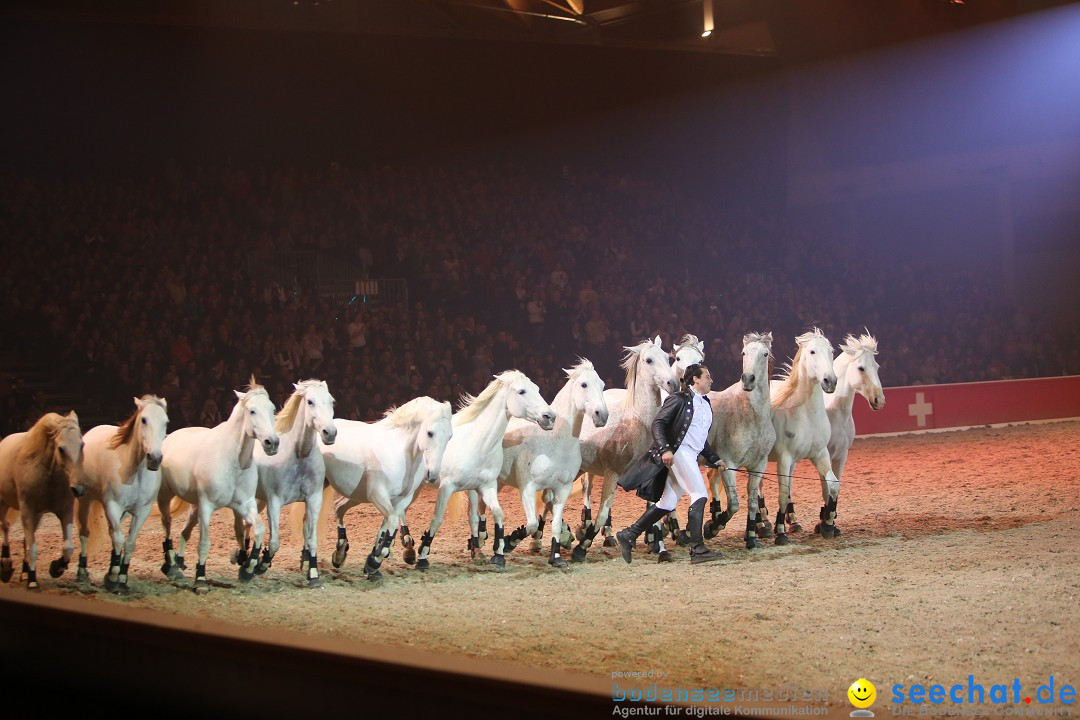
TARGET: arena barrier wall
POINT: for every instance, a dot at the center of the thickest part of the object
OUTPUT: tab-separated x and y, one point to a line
917	408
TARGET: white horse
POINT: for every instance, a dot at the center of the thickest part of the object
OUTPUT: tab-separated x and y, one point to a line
535	461
123	474
384	463
856	372
211	468
474	455
296	472
743	435
609	451
802	427
41	471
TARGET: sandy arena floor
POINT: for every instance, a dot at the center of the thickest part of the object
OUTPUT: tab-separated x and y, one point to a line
960	555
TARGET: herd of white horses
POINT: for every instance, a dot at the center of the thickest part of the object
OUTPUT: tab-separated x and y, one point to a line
505	436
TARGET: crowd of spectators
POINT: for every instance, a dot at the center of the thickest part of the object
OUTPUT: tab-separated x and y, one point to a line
148	286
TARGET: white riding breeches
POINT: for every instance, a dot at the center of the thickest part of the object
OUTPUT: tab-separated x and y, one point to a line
683	478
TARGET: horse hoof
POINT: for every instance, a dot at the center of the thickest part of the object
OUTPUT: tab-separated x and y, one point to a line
315	583
32	585
338	558
664	556
709	531
477	556
579	533
374	576
245	575
498	561
122	589
82	575
409	556
180	562
536	546
782	539
609	541
684	538
422	564
752	543
7	570
794	527
171	571
110	584
237	557
558	563
579	554
766	527
201	586
262	567
57	568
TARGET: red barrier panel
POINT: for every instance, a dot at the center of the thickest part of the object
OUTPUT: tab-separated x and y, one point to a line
927	407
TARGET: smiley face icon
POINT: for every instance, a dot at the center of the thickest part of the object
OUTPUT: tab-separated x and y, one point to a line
862	693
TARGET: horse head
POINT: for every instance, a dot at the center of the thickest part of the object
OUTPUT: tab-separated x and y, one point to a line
757	349
318	409
65	437
862	369
523	399
691	351
435	431
652	364
816	359
587	392
258	418
152	423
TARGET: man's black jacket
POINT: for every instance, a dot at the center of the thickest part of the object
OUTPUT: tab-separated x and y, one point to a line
671	423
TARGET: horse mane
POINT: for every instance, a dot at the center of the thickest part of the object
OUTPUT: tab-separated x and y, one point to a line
285	418
687	341
581	367
127	428
473	406
412	412
791	378
763	338
629	364
864	343
42	436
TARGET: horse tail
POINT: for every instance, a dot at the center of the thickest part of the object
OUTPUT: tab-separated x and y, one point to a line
579	488
297	511
458	507
98	526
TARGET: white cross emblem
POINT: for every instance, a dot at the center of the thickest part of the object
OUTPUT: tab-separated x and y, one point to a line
920	409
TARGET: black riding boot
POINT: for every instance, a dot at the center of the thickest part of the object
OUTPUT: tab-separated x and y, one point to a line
698	552
627	537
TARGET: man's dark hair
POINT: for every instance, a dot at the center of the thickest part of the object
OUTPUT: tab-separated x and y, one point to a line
691	373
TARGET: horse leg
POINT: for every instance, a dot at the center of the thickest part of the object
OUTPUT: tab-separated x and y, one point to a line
312	508
528	504
537	544
29	523
240	553
273	522
250	512
607	497
753	511
586	508
428	537
169	568
557	527
830	493
784	466
199	514
114	514
6	568
380	498
490	495
341	506
828	506
67	526
137	519
408	542
185	534
82	575
475	523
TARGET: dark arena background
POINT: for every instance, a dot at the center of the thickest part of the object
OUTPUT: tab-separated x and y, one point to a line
405	197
